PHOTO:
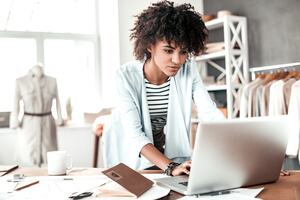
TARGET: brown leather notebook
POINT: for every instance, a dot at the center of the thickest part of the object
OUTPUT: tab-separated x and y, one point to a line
131	180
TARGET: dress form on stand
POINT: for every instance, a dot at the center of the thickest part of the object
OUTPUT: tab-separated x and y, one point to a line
37	132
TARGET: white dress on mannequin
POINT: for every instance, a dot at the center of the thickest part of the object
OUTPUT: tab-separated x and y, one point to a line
37	129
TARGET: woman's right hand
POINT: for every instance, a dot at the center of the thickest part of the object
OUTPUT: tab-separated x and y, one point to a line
183	168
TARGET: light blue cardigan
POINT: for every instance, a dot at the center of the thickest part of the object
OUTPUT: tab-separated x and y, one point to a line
131	127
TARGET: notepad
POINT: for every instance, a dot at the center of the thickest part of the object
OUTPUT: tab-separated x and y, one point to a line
125	182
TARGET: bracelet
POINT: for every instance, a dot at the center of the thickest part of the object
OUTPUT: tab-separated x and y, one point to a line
171	166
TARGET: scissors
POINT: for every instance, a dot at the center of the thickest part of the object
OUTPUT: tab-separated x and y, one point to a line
81	195
86	194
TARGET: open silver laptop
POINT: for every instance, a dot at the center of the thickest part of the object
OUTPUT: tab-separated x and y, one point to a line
234	153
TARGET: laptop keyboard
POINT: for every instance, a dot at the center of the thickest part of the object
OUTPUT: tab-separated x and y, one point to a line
184	183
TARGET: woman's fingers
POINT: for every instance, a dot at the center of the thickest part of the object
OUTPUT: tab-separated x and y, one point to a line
186	171
184	168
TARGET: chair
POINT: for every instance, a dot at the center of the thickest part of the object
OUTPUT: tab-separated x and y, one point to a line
98	131
98	126
96	149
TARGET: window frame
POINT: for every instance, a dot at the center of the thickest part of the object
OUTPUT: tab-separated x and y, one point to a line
40	38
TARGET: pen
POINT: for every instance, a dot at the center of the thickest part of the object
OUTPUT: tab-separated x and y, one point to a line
9	170
214	193
68	179
26	184
220	193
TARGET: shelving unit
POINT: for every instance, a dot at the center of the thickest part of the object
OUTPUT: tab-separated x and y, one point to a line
235	70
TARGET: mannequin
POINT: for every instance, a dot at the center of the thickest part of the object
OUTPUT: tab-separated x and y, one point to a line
37	129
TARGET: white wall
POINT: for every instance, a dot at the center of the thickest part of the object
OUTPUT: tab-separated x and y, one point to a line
129	8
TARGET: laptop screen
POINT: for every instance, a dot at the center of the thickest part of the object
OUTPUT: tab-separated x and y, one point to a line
240	152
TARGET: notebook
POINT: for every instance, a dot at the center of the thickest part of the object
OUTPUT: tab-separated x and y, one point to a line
129	182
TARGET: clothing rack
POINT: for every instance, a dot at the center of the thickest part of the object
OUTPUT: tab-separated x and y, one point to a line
254	70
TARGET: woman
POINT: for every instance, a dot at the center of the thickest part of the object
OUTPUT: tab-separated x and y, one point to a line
156	92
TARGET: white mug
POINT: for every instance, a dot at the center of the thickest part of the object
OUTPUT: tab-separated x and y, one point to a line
58	162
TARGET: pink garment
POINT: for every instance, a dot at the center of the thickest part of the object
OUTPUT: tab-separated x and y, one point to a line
257	101
265	99
252	97
287	87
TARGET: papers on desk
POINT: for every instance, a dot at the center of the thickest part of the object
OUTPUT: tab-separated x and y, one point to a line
236	194
61	187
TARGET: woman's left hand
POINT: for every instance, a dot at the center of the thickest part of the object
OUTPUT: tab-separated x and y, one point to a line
183	168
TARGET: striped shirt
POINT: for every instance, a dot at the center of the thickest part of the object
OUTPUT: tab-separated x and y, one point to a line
158	99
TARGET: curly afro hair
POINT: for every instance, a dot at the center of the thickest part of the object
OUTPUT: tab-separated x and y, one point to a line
164	21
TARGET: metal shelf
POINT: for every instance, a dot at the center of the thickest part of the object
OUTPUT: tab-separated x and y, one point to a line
236	60
219	22
215	23
211	88
216	55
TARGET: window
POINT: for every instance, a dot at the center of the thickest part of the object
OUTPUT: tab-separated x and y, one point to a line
61	34
73	64
57	16
17	55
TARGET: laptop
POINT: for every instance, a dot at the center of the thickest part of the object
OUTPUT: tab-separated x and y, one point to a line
234	153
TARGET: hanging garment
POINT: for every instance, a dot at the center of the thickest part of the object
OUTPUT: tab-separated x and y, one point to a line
257	101
276	102
265	99
294	113
252	97
37	129
287	87
244	98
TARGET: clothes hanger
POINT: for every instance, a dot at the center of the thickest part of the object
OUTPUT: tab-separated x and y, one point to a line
291	74
282	74
269	77
260	75
279	75
297	76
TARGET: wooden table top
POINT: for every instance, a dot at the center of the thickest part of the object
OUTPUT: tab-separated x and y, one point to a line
286	188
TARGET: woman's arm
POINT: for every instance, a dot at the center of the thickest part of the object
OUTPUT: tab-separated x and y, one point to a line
150	152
